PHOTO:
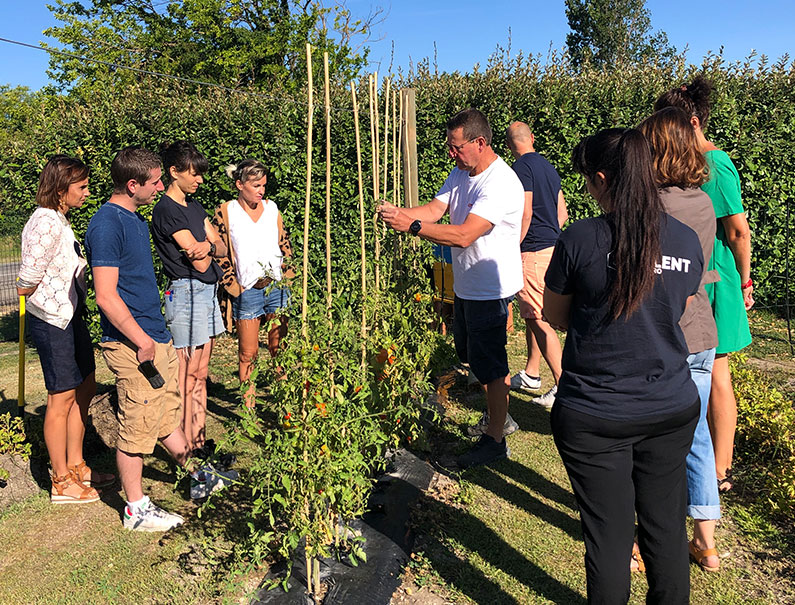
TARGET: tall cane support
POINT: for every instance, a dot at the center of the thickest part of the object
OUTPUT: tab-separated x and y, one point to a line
361	219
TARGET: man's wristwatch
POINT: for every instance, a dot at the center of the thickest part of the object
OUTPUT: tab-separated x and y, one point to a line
212	248
415	227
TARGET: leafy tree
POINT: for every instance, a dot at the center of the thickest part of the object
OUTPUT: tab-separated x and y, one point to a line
607	32
235	43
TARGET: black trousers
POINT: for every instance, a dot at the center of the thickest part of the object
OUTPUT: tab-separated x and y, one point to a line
618	469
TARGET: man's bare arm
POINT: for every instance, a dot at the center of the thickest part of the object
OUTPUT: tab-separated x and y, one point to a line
527	215
563	212
105	281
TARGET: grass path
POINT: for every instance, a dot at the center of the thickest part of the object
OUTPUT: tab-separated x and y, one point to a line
511	533
507	534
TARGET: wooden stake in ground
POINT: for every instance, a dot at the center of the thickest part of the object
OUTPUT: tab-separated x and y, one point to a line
310	111
375	145
394	150
386	138
304	326
328	183
399	154
361	219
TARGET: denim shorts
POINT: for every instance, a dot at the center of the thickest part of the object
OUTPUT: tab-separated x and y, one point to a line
66	356
254	303
479	331
192	313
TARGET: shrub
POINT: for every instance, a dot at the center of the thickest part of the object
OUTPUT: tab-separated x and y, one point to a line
12	440
765	442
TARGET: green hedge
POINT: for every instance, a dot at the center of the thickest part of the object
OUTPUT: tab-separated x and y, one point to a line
753	120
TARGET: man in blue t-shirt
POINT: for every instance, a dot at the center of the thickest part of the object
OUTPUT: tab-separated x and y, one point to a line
544	215
135	342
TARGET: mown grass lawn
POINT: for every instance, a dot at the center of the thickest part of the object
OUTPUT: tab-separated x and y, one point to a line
506	534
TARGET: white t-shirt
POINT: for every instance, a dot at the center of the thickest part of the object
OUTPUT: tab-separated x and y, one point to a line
256	244
491	267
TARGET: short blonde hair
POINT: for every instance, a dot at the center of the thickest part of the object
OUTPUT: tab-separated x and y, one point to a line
246	170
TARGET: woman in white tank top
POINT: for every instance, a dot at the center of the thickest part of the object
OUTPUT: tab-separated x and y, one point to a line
253	278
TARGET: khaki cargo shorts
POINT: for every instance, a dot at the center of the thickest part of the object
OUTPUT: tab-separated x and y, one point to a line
145	414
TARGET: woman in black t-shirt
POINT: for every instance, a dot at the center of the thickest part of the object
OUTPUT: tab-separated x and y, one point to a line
188	244
626	407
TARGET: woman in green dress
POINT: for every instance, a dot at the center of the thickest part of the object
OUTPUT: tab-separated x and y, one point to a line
732	296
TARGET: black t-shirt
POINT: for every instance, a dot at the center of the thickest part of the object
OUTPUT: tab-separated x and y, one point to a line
540	177
631	368
168	217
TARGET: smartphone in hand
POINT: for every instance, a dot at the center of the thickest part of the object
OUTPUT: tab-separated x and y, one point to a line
149	370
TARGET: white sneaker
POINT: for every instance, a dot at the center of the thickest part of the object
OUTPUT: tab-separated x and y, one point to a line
150	517
210	480
547	400
524	382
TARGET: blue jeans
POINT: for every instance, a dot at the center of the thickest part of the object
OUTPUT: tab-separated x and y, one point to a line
703	502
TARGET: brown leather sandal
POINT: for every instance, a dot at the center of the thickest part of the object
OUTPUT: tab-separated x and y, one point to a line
69	490
637	559
92	478
698	556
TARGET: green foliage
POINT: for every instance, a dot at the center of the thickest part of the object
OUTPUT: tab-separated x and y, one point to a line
765	438
612	33
342	400
12	440
12	436
236	43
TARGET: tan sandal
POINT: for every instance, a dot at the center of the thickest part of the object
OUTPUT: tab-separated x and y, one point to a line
69	490
698	556
92	478
636	559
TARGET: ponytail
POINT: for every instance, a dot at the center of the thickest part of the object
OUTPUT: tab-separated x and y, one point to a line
634	211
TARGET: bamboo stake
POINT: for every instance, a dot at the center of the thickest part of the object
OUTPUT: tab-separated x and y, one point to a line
386	137
310	111
394	150
377	149
373	160
361	218
328	183
399	157
328	213
305	273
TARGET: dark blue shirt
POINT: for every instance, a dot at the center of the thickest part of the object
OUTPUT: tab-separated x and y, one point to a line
539	177
119	238
625	368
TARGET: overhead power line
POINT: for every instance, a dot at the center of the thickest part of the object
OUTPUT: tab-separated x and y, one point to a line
157	74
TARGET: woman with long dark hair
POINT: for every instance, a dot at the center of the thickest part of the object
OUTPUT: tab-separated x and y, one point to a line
732	296
681	169
52	274
188	245
626	407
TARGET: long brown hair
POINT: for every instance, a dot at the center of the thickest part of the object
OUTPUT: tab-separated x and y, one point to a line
59	172
678	161
635	211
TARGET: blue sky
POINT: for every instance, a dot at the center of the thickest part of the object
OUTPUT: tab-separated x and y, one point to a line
467	32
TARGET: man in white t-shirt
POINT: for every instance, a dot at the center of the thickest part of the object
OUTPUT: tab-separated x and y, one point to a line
485	200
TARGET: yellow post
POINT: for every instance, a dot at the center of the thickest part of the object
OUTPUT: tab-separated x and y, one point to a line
21	389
